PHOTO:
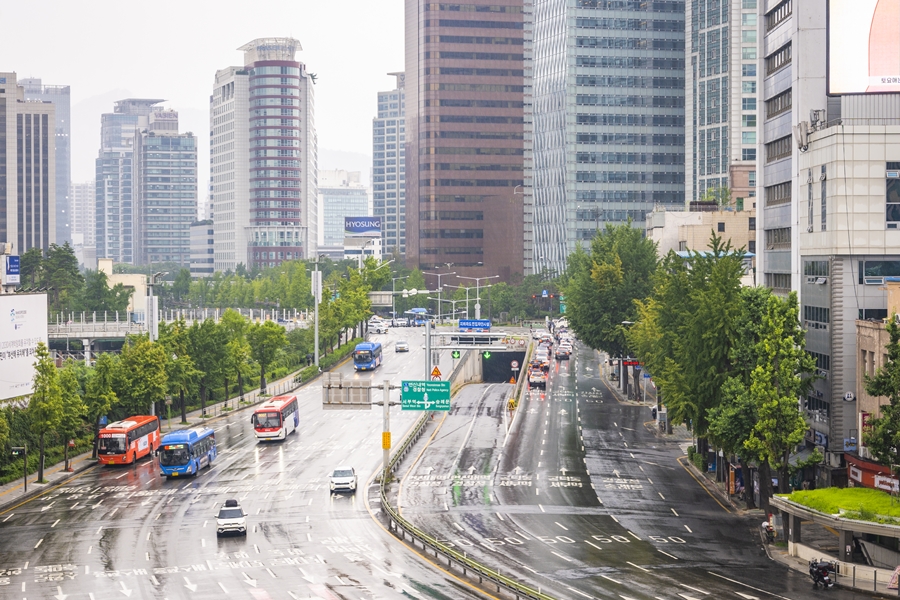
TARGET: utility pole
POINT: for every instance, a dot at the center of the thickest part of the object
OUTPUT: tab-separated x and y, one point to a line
317	298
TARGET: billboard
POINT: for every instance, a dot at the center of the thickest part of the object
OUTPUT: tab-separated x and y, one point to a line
23	323
863	46
362	226
11	270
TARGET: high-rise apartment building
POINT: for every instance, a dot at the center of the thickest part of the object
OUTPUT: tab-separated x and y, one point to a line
721	94
263	158
165	190
114	209
608	118
389	166
59	96
202	242
27	168
468	124
82	219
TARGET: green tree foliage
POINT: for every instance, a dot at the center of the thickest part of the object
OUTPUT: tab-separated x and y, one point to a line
266	340
4	430
415	281
31	267
73	408
45	407
883	437
140	380
781	376
97	296
181	373
99	396
181	287
206	346
61	276
604	284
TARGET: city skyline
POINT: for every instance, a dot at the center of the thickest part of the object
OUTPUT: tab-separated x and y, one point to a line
342	125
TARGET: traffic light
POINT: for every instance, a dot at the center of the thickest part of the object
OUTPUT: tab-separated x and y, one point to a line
486	354
455	354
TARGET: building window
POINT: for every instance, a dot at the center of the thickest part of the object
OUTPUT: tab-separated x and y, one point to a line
748	19
748	87
720	227
817	314
873	272
779	281
778	59
751	246
778	239
748	70
778	149
748	36
752	178
892	196
823	361
815	268
749	4
748	137
752	223
748	120
778	104
778	14
748	53
748	103
822	179
748	153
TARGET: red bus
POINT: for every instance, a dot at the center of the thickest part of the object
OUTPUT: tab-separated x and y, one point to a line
126	441
276	418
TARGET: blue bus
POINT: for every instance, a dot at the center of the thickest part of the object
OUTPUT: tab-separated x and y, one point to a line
186	451
419	316
367	356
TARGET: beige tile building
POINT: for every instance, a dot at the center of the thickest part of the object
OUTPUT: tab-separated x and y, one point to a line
681	231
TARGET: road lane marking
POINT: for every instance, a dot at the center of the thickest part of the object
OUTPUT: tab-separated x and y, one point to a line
148	535
457	525
632	534
39	543
674	513
632	455
114	511
613	518
500	517
224	589
90	548
541	507
25	568
661	496
638	566
537	491
54	523
8	517
749	587
650	480
561	556
681	461
561	525
641	468
594	545
611	579
582	593
121	476
693	589
524	536
688	528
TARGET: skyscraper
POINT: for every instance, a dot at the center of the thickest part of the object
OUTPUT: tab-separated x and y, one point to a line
389	166
165	190
263	158
340	195
721	92
27	168
83	230
59	96
114	178
468	68
608	118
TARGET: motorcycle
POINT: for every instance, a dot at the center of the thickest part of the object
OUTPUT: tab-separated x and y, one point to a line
770	532
821	572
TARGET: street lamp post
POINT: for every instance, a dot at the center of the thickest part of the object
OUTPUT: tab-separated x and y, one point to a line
463	287
478	291
394	281
440	289
452	306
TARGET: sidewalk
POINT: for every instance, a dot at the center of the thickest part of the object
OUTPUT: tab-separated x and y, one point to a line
13	493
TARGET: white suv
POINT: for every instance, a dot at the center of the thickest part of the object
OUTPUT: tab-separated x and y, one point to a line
231	519
343	479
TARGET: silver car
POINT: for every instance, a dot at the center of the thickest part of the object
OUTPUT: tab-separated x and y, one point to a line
343	479
401	346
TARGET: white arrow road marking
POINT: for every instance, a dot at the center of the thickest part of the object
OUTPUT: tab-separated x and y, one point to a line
428	470
125	590
43	508
59	595
248	580
616	473
749	587
517	470
189	585
306	577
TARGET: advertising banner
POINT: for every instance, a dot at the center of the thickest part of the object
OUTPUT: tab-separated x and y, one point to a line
362	226
863	46
23	323
11	270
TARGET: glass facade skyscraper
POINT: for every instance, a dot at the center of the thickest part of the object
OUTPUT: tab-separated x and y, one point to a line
389	166
608	118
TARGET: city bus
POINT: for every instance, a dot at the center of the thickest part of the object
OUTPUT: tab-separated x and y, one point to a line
367	356
126	441
186	451
276	418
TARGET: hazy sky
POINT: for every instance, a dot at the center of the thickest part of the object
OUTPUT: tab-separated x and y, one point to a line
108	51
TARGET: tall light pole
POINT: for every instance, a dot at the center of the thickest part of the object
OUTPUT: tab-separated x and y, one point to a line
439	290
478	291
394	281
317	298
463	287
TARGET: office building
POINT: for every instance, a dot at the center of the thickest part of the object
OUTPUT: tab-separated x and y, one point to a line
609	88
389	166
165	190
720	102
468	127
82	219
202	260
27	168
114	209
59	96
341	195
263	158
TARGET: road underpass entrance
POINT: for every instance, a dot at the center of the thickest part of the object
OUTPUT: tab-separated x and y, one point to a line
501	367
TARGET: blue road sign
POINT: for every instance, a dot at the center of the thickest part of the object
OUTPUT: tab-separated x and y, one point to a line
465	324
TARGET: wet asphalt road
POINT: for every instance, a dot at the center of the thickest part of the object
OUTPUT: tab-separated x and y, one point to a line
582	500
126	532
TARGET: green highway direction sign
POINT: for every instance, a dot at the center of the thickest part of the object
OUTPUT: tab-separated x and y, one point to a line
425	395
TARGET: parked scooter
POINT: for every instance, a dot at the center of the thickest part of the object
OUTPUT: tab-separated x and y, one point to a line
821	571
770	532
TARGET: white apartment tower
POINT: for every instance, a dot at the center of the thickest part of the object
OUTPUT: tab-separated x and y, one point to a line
263	158
389	166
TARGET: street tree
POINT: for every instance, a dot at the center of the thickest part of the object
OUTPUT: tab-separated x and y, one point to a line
61	276
73	408
783	374
237	350
266	340
882	438
181	287
4	430
181	373
45	407
206	346
99	397
140	380
31	267
97	296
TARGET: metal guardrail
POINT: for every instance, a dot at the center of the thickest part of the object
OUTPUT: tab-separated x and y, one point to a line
402	528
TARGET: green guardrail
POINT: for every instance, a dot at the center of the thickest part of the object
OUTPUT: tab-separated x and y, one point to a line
400	527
